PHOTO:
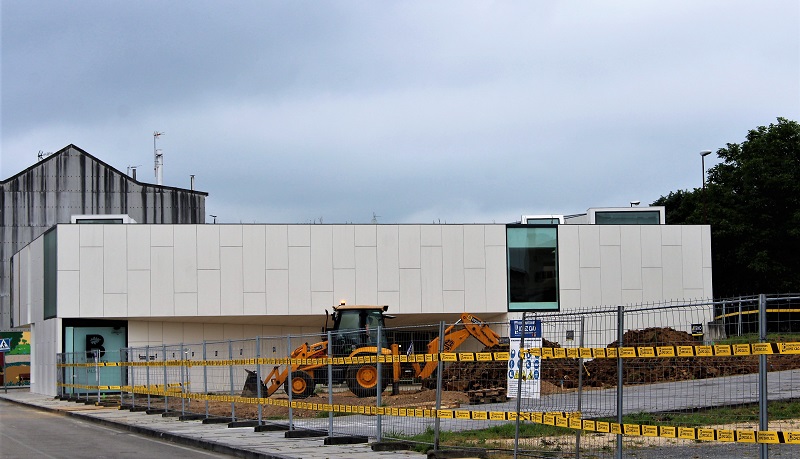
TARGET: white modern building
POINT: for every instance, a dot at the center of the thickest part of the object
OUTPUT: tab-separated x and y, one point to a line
148	284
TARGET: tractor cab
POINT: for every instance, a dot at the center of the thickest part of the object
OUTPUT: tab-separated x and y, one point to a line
356	327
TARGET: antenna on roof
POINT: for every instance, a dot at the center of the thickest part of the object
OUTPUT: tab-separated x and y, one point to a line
375	218
159	159
133	169
42	155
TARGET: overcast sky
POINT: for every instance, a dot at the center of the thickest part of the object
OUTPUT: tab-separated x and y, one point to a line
418	111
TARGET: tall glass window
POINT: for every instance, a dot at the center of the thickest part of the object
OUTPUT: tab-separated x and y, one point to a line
50	274
532	268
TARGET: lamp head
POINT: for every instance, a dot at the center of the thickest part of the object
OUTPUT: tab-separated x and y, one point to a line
705	152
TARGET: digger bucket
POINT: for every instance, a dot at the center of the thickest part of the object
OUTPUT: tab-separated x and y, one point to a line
250	388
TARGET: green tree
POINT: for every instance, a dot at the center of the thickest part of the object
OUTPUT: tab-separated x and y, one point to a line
752	202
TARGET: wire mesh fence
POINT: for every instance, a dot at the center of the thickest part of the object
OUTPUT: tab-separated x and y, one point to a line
596	382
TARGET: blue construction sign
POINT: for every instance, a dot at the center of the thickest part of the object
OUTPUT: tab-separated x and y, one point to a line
5	344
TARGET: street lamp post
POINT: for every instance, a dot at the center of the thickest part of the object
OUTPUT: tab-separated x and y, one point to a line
703	155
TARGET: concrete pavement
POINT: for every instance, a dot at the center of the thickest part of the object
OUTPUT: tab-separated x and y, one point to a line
237	441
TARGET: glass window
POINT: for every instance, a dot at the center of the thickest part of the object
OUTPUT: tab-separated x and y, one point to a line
627	218
50	274
532	268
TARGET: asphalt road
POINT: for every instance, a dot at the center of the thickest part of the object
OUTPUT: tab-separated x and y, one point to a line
29	433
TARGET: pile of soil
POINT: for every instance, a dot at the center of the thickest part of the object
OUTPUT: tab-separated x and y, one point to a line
603	372
558	375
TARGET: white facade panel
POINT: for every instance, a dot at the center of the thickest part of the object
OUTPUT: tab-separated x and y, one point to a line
230	235
255	303
69	293
409	246
68	247
495	235
91	296
475	290
611	274
115	263
651	246
299	279
692	255
591	287
137	333
155	332
321	258
366	235
115	305
410	292
193	333
569	299
631	257
431	235
254	253
496	279
277	247
632	296
569	257
231	289
706	246
138	293
389	298
431	275
474	246
453	301
160	235
589	243
208	246
209	296
707	284
344	247
388	258
652	284
344	284
609	234
138	248
185	252
162	284
277	291
673	272
91	235
299	235
453	257
671	235
366	275
186	304
321	300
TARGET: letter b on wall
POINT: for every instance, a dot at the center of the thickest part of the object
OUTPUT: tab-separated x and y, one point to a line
94	342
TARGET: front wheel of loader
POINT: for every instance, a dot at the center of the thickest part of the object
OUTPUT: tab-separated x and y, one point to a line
362	380
302	385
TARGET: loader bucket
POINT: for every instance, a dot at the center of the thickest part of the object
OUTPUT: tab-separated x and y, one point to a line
250	388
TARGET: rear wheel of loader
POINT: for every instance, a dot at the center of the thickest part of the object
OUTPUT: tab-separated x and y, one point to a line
302	384
362	380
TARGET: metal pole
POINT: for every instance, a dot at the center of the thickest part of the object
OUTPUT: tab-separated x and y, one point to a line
620	334
5	375
439	370
763	421
230	371
96	372
330	384
580	390
129	357
205	375
258	380
739	328
288	383
519	385
166	397
378	397
183	357
147	373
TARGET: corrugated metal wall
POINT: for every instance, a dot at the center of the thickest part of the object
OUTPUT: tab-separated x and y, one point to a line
73	182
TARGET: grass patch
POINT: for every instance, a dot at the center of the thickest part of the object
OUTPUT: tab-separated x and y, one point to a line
753	338
483	437
714	416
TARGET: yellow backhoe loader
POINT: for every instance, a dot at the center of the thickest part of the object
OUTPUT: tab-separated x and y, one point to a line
354	334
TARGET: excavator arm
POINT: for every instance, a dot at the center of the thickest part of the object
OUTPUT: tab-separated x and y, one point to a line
276	377
468	325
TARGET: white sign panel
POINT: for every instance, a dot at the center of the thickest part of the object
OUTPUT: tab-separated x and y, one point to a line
528	374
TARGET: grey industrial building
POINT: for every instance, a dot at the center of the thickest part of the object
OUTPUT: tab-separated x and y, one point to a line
72	182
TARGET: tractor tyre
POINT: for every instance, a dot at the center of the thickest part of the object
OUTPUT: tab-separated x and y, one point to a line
362	380
302	385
